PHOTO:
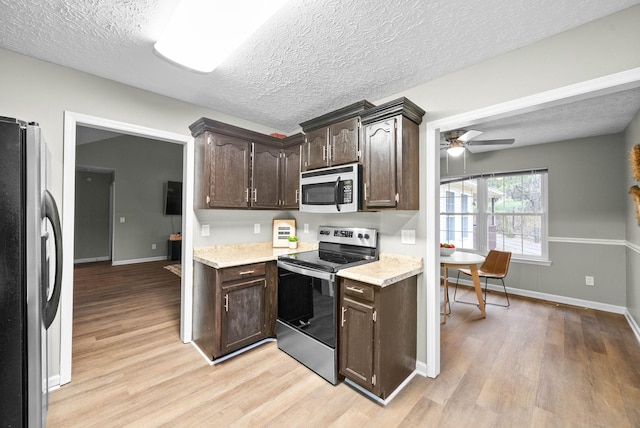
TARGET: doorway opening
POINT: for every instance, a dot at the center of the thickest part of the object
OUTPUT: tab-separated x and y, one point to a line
71	123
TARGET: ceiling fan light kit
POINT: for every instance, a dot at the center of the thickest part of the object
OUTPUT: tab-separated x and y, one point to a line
455	149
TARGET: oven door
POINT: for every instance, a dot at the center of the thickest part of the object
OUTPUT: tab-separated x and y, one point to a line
330	190
306	326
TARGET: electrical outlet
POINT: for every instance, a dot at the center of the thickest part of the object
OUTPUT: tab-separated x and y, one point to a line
121	219
153	246
306	228
204	230
590	281
408	237
256	228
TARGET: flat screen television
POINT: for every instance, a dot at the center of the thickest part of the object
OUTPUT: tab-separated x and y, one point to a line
173	198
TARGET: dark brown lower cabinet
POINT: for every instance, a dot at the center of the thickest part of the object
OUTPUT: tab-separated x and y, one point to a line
377	334
232	307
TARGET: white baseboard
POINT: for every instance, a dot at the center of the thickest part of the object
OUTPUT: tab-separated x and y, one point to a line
133	261
92	259
232	354
421	368
606	307
375	397
54	382
632	324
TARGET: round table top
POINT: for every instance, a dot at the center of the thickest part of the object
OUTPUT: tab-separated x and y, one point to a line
462	258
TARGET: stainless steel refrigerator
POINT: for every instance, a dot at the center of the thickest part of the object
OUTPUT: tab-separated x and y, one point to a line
30	273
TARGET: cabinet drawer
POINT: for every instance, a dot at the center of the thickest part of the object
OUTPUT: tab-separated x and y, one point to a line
359	290
241	272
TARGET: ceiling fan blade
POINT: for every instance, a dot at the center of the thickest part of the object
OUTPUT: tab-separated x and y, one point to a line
490	142
469	135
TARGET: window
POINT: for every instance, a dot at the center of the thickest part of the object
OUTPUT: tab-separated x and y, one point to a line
506	211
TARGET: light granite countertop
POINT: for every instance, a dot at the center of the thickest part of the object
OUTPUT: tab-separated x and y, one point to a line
222	256
387	270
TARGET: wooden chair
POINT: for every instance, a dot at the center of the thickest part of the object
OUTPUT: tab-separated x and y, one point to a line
495	266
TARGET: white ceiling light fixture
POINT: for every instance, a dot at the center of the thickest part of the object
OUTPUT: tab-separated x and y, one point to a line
201	34
455	148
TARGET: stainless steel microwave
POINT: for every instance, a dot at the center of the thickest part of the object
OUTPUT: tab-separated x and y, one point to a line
331	190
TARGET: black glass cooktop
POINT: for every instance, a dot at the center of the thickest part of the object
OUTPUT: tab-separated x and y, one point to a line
329	261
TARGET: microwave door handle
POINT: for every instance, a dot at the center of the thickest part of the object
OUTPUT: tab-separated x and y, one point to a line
335	193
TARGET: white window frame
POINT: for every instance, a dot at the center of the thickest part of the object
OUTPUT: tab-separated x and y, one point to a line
482	215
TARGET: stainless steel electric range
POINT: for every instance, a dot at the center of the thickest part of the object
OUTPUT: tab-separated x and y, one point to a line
307	298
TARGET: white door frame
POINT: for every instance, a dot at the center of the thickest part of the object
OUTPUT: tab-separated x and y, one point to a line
591	88
71	120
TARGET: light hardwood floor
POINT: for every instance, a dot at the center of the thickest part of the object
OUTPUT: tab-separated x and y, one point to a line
536	364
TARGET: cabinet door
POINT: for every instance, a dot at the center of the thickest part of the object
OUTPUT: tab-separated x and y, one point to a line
344	141
243	314
316	150
229	172
290	173
357	342
265	177
380	165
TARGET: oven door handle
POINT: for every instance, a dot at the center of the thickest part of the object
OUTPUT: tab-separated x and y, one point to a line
335	193
307	272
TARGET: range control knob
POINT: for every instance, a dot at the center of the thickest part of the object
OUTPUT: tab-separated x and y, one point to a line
366	236
359	235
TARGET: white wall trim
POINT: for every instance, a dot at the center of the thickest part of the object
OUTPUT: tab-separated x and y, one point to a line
632	323
590	241
584	90
71	120
633	247
91	260
142	260
572	301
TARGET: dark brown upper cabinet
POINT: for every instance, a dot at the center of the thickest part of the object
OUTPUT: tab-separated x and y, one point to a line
239	168
290	178
391	158
265	177
334	138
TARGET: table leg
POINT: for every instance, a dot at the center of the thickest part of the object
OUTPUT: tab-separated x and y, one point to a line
445	273
476	285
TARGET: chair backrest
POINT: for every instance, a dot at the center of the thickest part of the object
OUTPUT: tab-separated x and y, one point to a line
496	264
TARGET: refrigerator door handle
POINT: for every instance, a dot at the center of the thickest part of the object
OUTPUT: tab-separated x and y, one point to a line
50	306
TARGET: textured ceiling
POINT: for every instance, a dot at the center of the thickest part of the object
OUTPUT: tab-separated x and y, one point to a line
312	57
601	115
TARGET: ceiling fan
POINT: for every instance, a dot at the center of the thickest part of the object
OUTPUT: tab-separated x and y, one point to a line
458	140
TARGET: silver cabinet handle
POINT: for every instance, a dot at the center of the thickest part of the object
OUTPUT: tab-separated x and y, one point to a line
324	153
226	302
297	197
246	194
365	191
344	310
332	151
255	195
356	290
246	272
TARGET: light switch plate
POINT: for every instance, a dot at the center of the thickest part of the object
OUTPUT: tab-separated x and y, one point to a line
306	228
204	230
408	237
256	228
121	219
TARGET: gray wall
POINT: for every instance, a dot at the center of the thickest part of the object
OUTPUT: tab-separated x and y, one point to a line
587	203
92	239
632	137
142	168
